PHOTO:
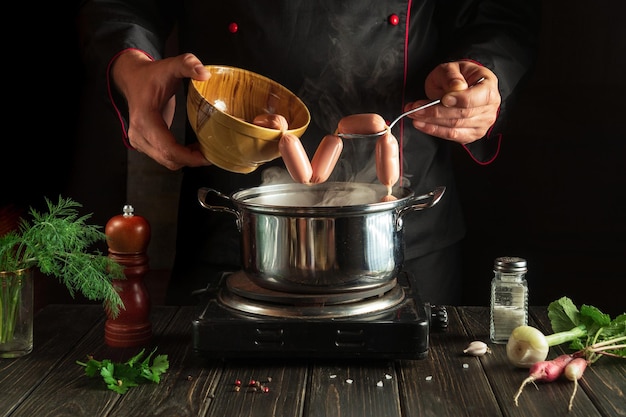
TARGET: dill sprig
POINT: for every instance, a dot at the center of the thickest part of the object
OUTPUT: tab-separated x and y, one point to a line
58	242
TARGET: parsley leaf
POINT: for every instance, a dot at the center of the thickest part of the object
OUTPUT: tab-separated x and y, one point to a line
120	377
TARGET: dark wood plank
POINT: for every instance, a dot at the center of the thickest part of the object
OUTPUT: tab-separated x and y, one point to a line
195	386
448	382
189	385
604	381
286	381
353	389
549	399
48	382
67	391
56	329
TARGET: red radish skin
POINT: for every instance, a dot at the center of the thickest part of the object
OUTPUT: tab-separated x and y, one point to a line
574	371
545	371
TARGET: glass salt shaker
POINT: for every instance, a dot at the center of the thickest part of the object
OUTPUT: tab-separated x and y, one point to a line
509	297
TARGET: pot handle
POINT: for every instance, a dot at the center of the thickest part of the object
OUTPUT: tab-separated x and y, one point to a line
423	201
204	191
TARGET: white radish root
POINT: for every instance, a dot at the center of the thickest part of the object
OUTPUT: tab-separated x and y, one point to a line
574	371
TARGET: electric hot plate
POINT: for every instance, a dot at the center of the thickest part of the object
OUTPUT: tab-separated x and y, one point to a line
237	318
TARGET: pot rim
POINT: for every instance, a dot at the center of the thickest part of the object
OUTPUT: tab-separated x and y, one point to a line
247	198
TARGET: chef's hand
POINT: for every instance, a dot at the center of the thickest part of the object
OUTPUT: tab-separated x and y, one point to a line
465	114
150	88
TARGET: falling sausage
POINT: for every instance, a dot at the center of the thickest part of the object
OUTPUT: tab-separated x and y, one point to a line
295	158
271	121
362	124
325	158
387	160
388	197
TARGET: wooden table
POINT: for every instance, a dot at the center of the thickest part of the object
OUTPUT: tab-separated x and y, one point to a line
48	382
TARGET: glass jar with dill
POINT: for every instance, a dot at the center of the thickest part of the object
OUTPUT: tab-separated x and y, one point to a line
59	243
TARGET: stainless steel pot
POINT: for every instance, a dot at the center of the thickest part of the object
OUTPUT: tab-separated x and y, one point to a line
324	238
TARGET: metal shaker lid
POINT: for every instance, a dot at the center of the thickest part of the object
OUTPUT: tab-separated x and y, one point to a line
510	264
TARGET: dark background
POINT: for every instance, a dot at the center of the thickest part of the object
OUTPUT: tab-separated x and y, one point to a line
556	195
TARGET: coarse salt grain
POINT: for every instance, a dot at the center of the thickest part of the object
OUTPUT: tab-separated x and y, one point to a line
379	384
465	366
387	376
429	377
349	381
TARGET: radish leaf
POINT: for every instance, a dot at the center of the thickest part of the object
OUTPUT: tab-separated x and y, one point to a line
603	335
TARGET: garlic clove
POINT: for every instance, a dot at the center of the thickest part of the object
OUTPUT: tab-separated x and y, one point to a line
477	348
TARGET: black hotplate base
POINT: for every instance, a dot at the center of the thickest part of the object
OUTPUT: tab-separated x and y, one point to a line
401	332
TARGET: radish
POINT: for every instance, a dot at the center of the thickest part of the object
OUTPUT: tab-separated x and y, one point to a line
574	371
528	345
545	371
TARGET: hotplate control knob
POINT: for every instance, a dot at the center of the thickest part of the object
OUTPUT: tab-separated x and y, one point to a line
438	317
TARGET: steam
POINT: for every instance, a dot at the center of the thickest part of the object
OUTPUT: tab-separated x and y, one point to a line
339	194
345	85
275	175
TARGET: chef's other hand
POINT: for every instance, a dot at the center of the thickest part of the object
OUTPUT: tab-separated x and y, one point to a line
150	88
466	114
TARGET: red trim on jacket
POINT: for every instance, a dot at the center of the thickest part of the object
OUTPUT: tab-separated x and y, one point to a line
406	71
110	92
488	135
404	81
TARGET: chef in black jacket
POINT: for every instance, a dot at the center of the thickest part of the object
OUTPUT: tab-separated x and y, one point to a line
341	57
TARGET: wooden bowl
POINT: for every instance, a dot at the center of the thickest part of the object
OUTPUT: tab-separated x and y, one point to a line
221	110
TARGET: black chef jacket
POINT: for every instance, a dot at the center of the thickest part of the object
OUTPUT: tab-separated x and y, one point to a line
340	57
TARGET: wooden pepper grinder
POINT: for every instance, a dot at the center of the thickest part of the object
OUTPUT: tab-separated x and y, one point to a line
127	237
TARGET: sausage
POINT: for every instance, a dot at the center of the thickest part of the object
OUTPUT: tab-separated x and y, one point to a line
362	124
387	160
295	158
388	197
325	158
271	121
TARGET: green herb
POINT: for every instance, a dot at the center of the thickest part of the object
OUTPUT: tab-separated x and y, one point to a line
596	333
120	377
58	243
